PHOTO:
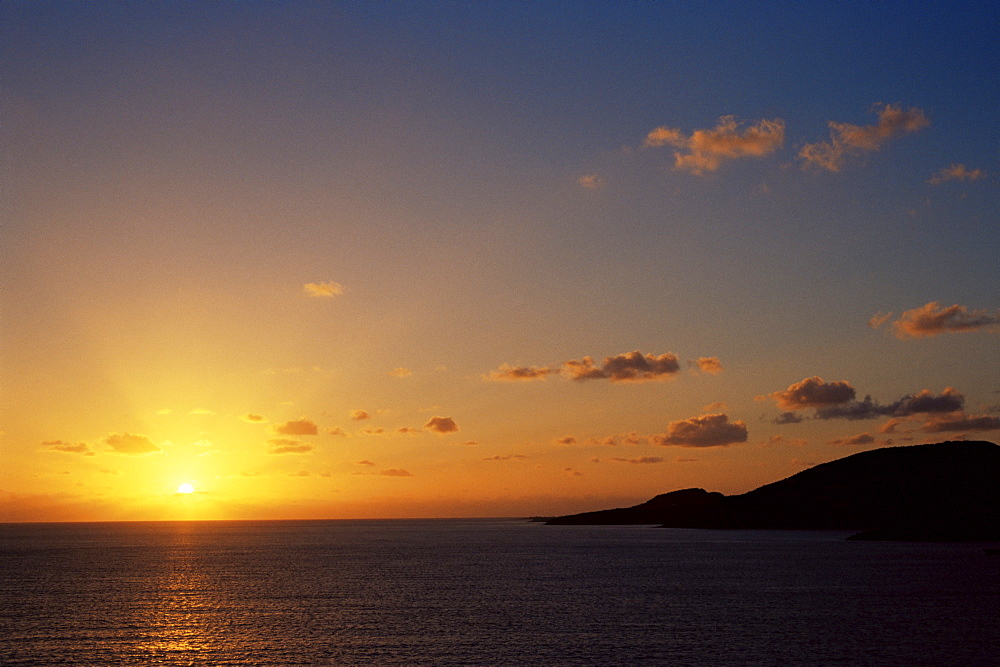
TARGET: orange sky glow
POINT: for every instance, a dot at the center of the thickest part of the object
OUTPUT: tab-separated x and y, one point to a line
320	261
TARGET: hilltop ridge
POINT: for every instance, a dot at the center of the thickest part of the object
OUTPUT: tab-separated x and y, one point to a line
943	491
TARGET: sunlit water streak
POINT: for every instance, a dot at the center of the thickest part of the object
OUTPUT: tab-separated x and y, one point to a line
485	592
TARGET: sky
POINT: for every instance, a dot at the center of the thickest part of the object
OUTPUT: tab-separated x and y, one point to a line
410	259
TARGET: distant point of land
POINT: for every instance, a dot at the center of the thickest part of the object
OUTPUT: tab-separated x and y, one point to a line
947	491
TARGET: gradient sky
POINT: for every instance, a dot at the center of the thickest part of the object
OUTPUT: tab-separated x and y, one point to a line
338	260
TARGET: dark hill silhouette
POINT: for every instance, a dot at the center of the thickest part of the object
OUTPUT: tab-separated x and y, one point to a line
943	491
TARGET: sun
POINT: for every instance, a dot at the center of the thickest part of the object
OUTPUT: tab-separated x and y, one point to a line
185	488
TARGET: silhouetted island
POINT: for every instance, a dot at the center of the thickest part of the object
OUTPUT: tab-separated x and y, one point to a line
948	491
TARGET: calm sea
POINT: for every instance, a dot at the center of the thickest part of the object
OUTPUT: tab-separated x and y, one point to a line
485	592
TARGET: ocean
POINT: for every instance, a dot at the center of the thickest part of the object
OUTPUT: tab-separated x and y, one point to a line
486	592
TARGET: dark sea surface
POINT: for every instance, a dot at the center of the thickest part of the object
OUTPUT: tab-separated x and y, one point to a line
486	592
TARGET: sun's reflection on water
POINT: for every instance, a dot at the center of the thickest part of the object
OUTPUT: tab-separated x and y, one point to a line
181	614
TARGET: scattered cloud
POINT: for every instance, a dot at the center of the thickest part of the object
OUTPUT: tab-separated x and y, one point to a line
336	431
126	443
69	447
324	289
878	319
956	172
836	400
710	365
441	425
408	430
641	459
859	439
358	415
252	418
572	472
400	372
961	422
366	462
508	373
932	319
706	150
296	427
711	430
591	181
301	473
627	367
372	431
506	457
634	438
788	418
776	440
395	472
813	392
890	426
469	443
848	140
288	446
566	440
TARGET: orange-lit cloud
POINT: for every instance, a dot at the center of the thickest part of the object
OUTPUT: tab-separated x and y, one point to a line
126	443
706	150
566	440
325	289
633	438
69	447
395	472
336	431
836	400
848	140
252	418
508	373
956	172
400	372
506	457
710	365
641	459
961	422
296	427
890	426
713	430
627	367
932	319
859	439
591	181
407	430
288	446
366	462
878	319
441	425
813	392
358	415
372	431
572	472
